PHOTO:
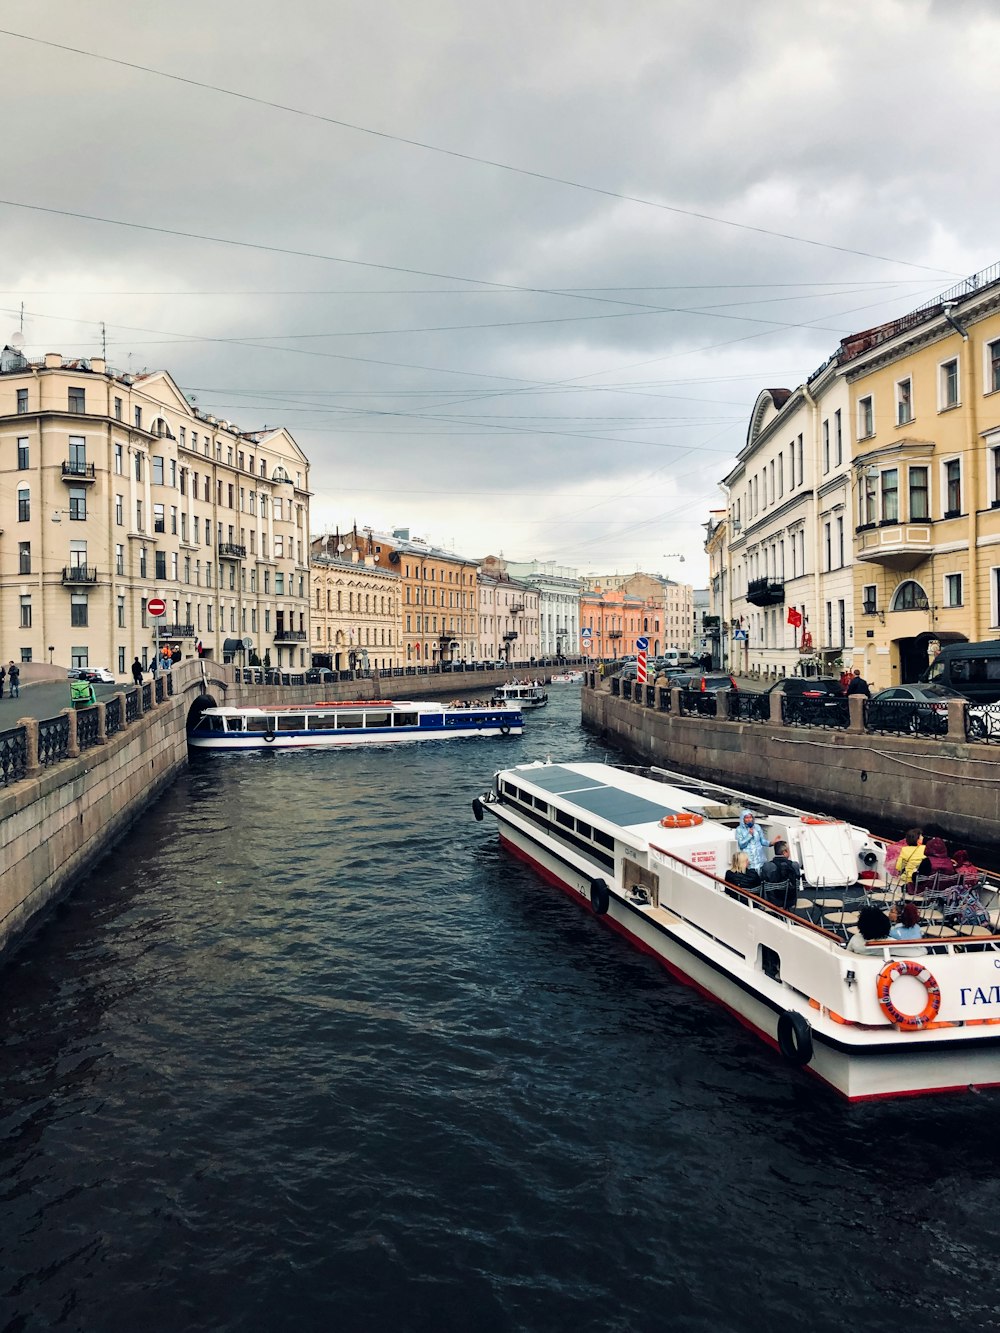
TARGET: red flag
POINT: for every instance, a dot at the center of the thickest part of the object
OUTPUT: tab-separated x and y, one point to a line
794	617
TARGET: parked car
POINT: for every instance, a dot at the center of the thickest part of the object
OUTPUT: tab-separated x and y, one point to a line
318	675
96	675
713	680
973	669
921	709
812	699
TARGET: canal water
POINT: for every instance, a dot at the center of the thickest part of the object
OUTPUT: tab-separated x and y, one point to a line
310	1052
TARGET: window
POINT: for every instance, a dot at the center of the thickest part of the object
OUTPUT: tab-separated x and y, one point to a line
78	609
23	453
160	562
869	599
909	596
904	402
919	507
840	545
25	654
121	661
869	499
79	656
159	518
22	402
173	519
839	437
138	466
23	504
890	495
157	461
119	460
953	590
24	557
121	612
77	504
119	559
77	400
866	417
948	385
953	487
992	372
826	546
78	453
118	409
137	418
826	445
25	612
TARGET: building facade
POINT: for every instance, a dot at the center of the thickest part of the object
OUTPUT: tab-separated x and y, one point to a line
558	604
356	610
508	618
116	491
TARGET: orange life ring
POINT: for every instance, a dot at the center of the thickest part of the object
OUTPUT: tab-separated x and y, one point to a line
686	820
817	819
901	967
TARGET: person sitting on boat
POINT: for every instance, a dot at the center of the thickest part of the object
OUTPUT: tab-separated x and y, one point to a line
739	873
937	871
781	877
910	855
873	924
752	839
906	926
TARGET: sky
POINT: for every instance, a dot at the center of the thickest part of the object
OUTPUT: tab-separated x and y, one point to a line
513	274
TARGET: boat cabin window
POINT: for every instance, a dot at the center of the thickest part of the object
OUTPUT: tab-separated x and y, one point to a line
540	804
348	721
378	720
563	818
404	719
252	723
214	723
322	721
604	839
291	722
583	829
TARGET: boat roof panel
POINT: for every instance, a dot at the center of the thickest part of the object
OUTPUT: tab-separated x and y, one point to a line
559	780
600	798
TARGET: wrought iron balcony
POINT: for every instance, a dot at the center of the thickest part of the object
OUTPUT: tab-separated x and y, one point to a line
516	610
74	471
766	592
614	633
230	551
510	636
178	630
73	574
290	635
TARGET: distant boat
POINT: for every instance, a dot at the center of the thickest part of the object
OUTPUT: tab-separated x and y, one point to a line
521	693
366	722
567	678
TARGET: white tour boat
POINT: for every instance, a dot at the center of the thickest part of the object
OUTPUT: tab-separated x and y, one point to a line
648	855
365	722
521	693
567	678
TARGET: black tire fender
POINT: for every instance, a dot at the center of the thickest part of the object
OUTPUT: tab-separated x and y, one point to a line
504	728
600	896
269	736
477	809
795	1037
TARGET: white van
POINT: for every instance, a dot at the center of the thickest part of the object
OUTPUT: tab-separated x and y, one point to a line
671	657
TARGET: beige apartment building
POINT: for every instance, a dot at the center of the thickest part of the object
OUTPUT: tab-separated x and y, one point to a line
356	612
116	490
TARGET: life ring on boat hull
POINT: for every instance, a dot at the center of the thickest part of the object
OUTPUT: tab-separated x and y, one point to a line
600	896
477	809
686	819
504	728
795	1040
901	967
269	736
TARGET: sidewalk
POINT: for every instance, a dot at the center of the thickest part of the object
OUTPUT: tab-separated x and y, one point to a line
46	699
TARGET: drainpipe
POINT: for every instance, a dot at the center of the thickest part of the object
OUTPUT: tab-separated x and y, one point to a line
972	451
814	410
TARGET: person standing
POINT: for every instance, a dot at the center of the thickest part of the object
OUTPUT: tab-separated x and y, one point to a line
137	671
14	677
859	685
750	838
3	676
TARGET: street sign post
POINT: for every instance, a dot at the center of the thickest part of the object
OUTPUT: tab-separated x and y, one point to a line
156	609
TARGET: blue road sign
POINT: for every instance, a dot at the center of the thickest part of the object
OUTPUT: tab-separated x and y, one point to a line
641	645
740	635
586	632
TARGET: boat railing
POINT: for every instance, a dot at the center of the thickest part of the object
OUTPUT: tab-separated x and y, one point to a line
751	899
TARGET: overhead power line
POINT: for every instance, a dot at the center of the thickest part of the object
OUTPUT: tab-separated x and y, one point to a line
465	157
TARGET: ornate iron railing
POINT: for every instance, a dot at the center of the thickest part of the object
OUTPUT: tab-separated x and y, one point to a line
828	711
53	740
86	728
170	683
147	696
133	703
907	717
113	716
751	707
982	723
161	689
13	755
703	703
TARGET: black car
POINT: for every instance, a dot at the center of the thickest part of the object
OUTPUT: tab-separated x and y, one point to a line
318	675
920	709
812	700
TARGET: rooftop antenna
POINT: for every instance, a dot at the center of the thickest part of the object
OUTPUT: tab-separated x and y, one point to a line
104	340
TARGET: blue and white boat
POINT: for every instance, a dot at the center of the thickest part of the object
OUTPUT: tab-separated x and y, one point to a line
364	722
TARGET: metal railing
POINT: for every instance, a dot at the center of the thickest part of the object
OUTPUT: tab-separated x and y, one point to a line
133	703
701	703
13	754
112	716
751	707
86	728
907	717
160	686
982	723
232	551
147	696
828	711
72	468
290	635
53	740
79	574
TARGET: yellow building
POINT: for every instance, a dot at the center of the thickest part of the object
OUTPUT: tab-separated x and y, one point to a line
115	490
356	609
925	403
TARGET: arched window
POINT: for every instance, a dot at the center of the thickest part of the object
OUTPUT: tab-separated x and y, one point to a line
909	596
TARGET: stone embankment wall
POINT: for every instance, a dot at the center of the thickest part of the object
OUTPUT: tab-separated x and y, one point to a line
886	783
59	819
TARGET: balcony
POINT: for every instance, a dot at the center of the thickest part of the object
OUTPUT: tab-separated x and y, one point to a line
510	636
901	546
75	574
766	592
74	471
516	610
178	630
614	633
230	551
282	635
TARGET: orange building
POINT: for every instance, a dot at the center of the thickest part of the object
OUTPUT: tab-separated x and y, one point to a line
616	619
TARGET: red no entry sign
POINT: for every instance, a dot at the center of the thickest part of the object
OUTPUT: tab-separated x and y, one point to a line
156	607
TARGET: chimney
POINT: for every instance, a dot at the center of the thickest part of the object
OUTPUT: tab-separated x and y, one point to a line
98	365
53	360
